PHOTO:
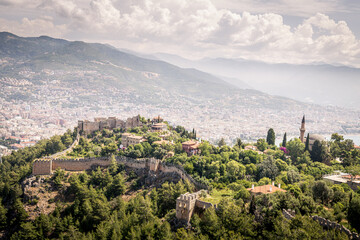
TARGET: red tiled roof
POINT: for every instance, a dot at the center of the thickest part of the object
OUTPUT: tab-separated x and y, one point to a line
349	177
265	189
190	142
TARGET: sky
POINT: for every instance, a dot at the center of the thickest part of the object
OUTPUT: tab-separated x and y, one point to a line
274	31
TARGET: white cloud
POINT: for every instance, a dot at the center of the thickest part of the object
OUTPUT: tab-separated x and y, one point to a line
33	27
199	28
23	3
303	8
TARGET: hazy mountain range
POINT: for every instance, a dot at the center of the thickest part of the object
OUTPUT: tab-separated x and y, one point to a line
319	83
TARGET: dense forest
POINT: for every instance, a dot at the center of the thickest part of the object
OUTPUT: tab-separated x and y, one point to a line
93	203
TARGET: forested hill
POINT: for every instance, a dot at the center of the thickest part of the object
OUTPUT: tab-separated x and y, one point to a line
118	203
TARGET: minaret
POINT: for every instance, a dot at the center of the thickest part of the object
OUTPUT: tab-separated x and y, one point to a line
302	129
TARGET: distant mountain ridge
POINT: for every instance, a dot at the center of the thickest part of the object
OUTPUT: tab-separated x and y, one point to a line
317	83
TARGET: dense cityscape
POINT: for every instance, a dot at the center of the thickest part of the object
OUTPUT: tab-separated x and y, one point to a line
30	112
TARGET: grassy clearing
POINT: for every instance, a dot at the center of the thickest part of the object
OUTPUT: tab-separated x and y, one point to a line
217	194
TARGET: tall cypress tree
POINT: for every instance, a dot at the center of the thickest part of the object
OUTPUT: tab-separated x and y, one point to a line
252	207
284	140
316	151
270	139
307	143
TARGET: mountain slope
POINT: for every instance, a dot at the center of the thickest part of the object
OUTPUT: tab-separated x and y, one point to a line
121	69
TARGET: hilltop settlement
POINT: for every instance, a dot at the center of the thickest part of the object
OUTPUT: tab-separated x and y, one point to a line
146	179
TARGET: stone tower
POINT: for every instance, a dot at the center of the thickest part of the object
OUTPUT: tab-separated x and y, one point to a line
302	129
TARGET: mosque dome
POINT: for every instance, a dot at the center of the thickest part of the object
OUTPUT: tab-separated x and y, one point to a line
314	137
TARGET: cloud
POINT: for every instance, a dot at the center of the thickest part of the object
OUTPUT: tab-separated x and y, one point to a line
202	29
33	27
22	3
302	8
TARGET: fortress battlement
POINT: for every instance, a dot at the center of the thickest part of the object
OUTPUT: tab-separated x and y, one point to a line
80	159
45	166
185	204
88	127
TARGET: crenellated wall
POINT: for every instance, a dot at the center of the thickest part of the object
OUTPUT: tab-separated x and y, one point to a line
108	123
204	205
166	167
79	164
325	223
186	203
42	167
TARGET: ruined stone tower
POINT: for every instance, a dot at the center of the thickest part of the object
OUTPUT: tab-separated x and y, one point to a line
302	129
185	205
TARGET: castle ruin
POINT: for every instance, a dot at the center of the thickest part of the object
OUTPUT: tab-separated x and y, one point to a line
186	204
88	127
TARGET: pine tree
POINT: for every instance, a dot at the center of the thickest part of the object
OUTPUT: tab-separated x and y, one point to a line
252	207
222	142
270	139
238	142
284	140
307	143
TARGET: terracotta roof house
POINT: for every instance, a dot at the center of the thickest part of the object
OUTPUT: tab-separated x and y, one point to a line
251	147
128	139
191	147
159	127
265	189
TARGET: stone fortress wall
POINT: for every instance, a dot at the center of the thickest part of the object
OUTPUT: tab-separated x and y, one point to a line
325	223
88	127
185	204
42	166
47	166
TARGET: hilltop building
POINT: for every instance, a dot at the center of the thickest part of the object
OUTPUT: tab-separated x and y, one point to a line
87	127
338	177
312	137
128	139
159	127
191	147
157	119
